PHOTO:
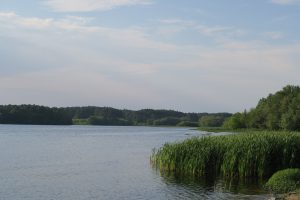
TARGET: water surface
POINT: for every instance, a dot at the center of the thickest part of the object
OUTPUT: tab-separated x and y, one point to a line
97	162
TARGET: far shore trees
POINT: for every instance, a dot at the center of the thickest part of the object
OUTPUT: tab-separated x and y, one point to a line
92	115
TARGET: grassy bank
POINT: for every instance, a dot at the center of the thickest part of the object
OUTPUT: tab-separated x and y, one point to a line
249	154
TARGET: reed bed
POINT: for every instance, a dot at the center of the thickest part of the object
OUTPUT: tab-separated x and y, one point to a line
244	155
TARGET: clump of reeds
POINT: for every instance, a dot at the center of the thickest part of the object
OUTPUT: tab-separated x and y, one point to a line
245	155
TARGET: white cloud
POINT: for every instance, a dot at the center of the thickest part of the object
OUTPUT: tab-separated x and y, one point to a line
12	19
171	27
174	25
177	22
286	2
273	35
7	14
210	31
79	26
91	5
75	62
201	28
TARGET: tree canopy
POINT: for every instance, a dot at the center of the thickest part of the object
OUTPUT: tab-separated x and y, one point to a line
279	111
34	114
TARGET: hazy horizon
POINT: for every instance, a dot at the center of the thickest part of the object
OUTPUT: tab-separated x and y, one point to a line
190	56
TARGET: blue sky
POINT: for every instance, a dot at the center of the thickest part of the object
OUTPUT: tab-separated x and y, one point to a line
193	56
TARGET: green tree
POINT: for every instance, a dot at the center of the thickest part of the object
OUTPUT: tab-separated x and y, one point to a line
211	121
236	121
278	111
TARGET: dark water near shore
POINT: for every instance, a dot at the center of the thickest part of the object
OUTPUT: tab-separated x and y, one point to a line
95	162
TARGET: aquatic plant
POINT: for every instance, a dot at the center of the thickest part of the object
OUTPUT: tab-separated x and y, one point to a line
245	155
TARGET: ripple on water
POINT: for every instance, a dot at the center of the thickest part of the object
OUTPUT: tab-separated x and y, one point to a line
94	162
187	187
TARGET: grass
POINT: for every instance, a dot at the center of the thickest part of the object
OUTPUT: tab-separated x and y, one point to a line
245	155
284	181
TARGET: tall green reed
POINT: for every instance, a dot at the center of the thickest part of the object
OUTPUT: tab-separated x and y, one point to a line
245	155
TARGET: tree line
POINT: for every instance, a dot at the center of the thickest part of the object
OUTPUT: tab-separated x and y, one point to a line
279	111
92	115
33	114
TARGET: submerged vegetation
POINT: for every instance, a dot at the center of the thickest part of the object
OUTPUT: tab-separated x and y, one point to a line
244	155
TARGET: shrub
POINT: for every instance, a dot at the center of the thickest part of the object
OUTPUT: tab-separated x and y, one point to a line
284	181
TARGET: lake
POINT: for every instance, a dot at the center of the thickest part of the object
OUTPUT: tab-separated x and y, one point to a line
98	162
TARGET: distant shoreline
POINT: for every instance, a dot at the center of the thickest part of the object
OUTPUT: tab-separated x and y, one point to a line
106	116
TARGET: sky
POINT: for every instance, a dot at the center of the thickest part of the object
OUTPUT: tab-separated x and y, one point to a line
191	56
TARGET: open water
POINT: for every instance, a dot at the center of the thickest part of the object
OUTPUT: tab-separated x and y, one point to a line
101	163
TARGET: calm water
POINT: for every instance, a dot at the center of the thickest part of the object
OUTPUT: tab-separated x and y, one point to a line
94	162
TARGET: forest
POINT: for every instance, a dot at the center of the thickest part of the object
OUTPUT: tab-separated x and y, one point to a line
33	114
279	111
92	115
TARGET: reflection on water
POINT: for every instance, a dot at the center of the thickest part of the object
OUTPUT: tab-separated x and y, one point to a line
100	163
208	187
